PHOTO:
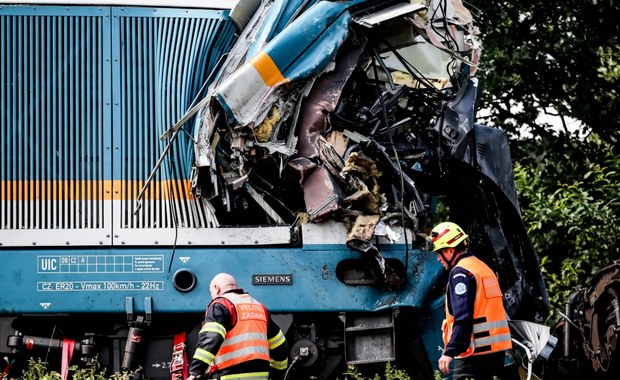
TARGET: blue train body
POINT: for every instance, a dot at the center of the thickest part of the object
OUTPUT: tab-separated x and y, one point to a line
300	146
287	279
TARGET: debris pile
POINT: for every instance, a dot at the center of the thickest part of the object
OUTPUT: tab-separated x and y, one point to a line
335	118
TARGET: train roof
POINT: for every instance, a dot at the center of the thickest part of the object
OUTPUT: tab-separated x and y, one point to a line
206	4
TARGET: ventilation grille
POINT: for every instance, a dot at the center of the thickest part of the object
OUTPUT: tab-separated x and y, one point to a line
85	93
51	122
164	61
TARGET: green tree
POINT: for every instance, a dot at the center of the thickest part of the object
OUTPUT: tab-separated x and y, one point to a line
558	57
561	58
569	196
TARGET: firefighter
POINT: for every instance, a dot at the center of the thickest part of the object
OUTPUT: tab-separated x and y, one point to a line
475	332
238	339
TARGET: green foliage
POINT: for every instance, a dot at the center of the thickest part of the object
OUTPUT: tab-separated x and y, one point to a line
391	373
548	55
38	370
540	56
569	198
610	64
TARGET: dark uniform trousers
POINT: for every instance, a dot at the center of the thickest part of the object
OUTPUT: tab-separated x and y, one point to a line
484	367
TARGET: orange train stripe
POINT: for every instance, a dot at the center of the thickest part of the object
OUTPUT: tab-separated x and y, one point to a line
267	69
92	190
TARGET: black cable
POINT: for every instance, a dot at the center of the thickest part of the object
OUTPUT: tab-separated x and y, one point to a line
400	170
387	72
410	69
295	360
170	141
175	217
451	42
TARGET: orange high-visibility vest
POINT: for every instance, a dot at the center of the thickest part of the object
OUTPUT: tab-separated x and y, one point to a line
247	340
490	330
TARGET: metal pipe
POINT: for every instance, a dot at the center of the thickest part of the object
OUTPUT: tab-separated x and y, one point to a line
132	348
568	313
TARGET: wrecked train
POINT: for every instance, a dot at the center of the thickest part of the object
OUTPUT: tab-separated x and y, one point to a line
300	145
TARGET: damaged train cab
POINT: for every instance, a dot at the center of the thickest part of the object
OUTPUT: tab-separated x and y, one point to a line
302	146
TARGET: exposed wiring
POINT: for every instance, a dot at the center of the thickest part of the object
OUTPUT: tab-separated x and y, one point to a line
411	69
295	360
449	39
400	170
173	210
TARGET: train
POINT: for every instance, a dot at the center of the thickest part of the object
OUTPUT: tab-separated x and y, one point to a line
305	147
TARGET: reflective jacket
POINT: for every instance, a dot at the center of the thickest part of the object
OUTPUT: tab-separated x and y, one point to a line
490	331
247	340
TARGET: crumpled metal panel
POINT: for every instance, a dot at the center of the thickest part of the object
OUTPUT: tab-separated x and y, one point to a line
486	205
315	36
321	194
323	99
283	13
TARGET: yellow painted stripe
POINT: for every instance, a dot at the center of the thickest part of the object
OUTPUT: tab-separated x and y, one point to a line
93	190
267	69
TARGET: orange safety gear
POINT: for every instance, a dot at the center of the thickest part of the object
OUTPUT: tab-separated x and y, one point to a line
490	328
447	235
247	340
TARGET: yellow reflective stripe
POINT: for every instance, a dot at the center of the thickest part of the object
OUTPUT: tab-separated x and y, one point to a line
488	340
267	69
244	337
213	327
276	340
247	376
241	353
281	364
204	356
486	326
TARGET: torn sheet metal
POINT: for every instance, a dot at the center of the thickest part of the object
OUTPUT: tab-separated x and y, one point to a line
431	62
321	194
264	205
458	118
397	10
382	229
302	50
360	239
283	13
324	97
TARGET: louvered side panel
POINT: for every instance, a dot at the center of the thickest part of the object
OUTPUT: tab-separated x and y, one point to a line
55	180
162	62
